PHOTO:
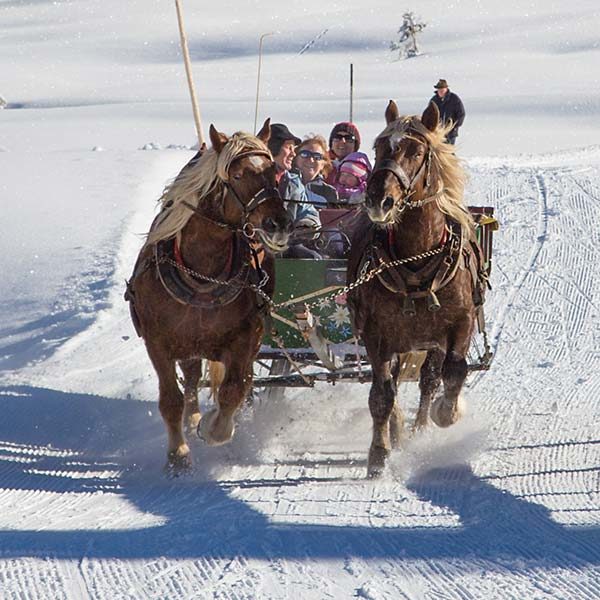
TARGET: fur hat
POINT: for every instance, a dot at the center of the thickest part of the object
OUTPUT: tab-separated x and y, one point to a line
279	135
442	83
346	127
357	164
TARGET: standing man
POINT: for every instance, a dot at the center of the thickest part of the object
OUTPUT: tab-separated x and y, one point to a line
451	108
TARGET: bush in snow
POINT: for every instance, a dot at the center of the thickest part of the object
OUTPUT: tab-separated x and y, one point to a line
407	36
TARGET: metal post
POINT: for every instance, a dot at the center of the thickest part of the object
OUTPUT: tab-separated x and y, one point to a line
188	72
260	45
351	91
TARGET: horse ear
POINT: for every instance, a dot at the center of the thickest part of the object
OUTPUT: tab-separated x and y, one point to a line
391	112
431	117
265	132
217	138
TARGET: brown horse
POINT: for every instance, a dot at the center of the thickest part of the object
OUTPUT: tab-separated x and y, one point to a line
198	289
428	300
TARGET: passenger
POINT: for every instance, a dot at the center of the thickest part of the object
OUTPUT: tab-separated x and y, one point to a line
313	162
343	140
304	216
352	176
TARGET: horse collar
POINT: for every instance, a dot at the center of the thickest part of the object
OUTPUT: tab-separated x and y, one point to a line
179	258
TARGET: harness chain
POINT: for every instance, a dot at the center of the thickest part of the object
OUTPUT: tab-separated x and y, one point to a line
362	279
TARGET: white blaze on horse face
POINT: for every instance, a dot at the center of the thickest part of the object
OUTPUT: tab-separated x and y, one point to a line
256	161
395	140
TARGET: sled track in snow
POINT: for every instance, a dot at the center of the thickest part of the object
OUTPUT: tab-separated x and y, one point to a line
528	267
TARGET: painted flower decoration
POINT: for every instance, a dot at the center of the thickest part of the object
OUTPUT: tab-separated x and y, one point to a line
340	316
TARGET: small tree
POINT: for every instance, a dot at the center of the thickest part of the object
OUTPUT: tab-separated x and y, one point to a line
407	37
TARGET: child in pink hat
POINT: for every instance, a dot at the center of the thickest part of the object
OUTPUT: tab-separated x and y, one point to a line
352	176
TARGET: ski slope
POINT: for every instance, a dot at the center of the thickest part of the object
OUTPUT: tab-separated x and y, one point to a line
503	505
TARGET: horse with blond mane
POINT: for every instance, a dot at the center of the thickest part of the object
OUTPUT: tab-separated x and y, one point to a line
420	274
200	288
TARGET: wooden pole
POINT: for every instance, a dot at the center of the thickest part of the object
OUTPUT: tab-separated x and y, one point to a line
351	91
188	71
260	45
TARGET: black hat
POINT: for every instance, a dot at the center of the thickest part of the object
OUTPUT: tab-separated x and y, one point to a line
442	83
279	135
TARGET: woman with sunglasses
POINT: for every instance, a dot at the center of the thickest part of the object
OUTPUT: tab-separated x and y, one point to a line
343	140
313	163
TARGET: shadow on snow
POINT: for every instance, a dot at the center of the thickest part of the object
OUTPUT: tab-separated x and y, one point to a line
63	435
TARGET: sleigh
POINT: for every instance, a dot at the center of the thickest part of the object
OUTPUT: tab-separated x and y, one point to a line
312	339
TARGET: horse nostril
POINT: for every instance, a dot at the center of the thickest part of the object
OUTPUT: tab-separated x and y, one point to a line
388	203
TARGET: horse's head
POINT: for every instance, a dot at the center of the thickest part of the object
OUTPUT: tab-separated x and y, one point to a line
252	201
400	177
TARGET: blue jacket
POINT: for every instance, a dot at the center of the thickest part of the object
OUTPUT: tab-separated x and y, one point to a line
292	188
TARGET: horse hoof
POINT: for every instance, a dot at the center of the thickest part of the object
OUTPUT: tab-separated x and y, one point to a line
178	464
417	428
376	462
443	415
214	429
374	472
420	424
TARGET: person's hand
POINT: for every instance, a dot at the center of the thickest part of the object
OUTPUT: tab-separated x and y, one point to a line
307	229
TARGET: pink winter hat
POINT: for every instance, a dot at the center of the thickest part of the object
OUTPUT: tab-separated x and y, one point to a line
356	164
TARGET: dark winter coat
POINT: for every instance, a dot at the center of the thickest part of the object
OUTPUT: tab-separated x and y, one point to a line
451	109
320	192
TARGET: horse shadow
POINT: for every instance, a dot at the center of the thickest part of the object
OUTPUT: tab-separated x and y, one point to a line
81	444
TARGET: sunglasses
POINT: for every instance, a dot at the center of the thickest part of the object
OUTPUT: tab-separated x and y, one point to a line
309	154
346	137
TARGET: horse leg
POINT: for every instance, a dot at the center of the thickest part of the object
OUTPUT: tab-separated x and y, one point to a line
170	404
381	403
429	381
217	426
192	371
396	421
449	409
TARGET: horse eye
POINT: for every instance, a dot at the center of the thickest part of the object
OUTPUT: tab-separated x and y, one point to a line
237	176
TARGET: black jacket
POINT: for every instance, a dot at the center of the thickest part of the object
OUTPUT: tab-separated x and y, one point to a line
451	109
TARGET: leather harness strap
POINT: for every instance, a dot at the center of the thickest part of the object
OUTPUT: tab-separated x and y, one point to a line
424	282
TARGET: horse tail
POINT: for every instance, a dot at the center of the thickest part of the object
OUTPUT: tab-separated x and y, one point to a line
216	375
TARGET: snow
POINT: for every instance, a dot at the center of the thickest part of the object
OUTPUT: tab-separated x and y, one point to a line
505	504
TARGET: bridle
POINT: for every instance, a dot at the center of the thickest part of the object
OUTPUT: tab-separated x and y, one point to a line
389	165
264	194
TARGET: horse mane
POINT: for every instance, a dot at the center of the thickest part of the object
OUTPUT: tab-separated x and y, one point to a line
196	183
445	165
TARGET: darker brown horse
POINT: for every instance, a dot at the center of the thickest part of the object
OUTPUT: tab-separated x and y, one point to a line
198	289
428	301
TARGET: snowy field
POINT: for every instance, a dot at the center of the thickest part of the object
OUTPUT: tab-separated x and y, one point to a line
506	504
